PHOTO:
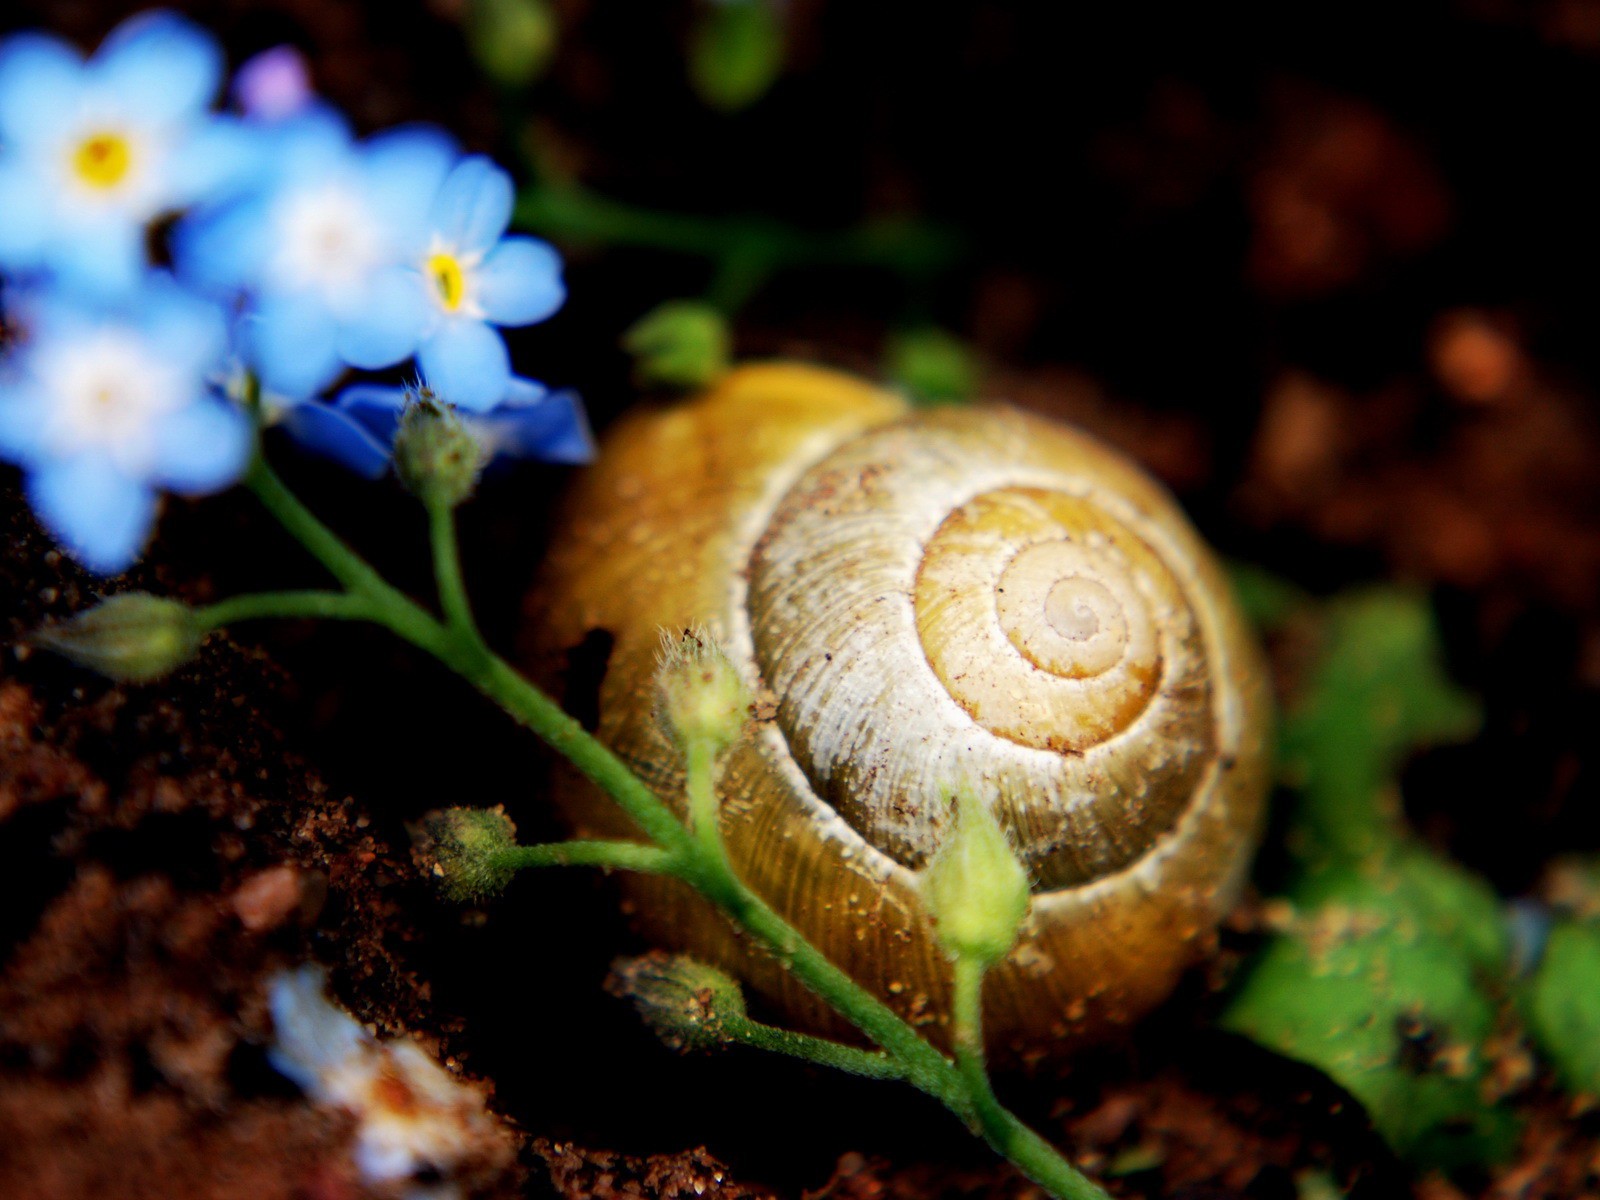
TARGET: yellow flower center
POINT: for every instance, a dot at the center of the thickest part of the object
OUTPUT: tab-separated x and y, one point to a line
102	160
449	280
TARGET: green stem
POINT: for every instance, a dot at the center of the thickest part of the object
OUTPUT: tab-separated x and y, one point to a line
255	605
1010	1137
700	793
873	1064
570	212
618	856
465	655
447	571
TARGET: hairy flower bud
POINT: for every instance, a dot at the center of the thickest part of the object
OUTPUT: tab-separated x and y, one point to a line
687	1004
975	887
466	850
701	697
435	455
133	638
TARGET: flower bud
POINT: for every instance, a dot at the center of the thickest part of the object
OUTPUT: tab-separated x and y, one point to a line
975	887
682	343
467	850
687	1004
736	52
933	366
133	638
435	455
702	699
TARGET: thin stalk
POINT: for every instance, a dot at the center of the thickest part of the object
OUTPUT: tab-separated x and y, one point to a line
611	856
873	1064
447	571
1010	1138
254	606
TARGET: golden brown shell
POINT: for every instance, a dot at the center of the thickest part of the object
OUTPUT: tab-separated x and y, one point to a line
925	601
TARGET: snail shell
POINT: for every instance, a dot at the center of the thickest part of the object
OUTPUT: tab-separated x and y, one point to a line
963	598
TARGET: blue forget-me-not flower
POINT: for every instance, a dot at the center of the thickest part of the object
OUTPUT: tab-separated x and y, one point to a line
320	252
471	277
105	404
92	151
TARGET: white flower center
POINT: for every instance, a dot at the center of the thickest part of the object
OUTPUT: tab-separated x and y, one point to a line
108	391
328	242
108	164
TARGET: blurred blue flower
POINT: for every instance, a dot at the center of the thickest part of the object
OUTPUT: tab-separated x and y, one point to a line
530	421
320	249
92	151
471	277
103	404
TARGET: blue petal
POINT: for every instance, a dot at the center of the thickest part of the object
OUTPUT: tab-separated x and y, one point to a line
103	258
389	323
159	67
24	414
466	364
220	157
187	330
376	406
519	282
403	169
474	205
339	435
224	248
99	515
201	448
290	341
28	220
553	429
41	81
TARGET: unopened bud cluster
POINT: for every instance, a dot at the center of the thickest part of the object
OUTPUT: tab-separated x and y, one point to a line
687	1004
132	638
435	455
468	850
975	887
701	698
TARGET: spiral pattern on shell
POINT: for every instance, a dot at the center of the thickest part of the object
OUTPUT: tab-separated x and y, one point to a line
962	599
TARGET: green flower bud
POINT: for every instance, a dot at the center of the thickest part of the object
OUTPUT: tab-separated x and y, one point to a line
132	638
687	1004
435	455
682	344
467	850
975	887
736	52
513	40
701	697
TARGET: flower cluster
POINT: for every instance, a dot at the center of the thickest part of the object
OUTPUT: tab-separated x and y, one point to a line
174	273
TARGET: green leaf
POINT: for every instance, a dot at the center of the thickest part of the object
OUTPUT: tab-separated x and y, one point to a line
1378	692
513	40
682	343
1562	1005
1389	979
736	52
934	366
1392	1011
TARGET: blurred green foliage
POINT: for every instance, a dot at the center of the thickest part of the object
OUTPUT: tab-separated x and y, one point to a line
934	366
682	344
1561	1002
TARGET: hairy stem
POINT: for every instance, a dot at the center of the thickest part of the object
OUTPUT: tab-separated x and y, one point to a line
619	856
254	606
